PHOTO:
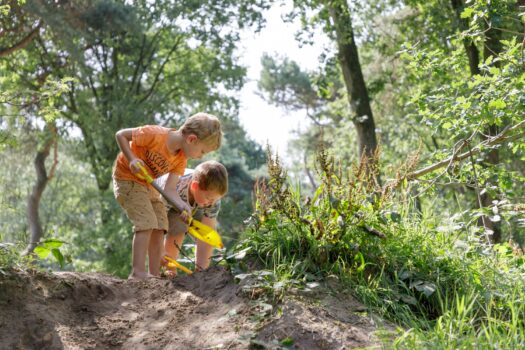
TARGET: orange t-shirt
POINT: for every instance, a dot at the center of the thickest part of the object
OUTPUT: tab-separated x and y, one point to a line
150	143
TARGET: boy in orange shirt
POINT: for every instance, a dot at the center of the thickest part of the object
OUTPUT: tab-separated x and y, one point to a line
160	150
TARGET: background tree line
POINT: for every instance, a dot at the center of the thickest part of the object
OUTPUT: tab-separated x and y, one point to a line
442	77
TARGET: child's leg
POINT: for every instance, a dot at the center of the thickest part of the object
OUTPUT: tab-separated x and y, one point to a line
155	251
135	200
204	251
139	250
172	243
155	248
174	237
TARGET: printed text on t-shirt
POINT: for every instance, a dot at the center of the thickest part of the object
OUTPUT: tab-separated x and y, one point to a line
157	163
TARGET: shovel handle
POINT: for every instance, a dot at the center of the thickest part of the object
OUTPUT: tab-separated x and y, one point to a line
147	177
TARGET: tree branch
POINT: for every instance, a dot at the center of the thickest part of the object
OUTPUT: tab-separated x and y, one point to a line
161	69
22	43
498	139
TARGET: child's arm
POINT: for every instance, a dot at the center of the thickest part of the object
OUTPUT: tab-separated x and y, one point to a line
124	136
170	188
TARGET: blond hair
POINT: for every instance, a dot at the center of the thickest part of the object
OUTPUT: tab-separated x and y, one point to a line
211	176
206	127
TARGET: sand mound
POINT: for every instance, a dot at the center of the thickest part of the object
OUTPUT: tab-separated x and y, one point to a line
206	310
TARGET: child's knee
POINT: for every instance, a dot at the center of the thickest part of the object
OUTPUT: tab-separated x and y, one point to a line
176	225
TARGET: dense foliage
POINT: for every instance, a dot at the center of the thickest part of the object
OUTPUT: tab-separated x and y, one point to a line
440	280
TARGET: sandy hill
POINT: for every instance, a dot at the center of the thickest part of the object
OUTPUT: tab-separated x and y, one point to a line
206	310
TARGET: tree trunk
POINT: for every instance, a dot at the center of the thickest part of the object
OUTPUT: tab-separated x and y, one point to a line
470	47
492	47
354	81
308	172
42	179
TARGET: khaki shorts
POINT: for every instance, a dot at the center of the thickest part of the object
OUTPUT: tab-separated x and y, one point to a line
142	204
176	225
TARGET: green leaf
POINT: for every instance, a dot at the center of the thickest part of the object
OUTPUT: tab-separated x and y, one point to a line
42	252
408	299
361	260
52	243
58	256
497	104
467	12
287	341
426	288
494	71
447	125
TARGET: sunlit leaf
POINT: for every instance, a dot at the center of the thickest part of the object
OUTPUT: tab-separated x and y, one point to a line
497	104
42	252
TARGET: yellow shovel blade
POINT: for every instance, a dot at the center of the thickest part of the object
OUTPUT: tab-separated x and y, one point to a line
205	233
174	263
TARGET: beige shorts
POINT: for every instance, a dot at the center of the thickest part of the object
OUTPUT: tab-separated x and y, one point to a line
142	204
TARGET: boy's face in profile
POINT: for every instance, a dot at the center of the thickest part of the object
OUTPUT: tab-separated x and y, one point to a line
194	148
202	197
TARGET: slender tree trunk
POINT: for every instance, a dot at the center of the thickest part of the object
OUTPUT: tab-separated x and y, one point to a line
42	179
492	47
308	172
355	84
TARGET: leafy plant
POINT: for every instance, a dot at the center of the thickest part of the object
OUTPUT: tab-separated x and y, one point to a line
415	271
52	246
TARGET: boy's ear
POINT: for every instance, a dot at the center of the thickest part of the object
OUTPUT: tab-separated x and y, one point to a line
194	186
191	138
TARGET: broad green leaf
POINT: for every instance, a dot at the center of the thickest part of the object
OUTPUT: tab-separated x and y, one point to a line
52	243
447	125
497	104
494	70
58	256
408	299
467	12
42	252
426	288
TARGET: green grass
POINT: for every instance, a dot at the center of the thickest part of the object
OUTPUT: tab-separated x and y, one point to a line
445	289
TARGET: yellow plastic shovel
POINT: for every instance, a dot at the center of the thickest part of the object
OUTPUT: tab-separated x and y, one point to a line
176	264
205	233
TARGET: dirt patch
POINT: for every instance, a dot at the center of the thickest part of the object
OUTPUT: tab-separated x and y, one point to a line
206	310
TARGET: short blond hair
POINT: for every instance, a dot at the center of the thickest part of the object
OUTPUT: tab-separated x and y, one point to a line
206	127
211	176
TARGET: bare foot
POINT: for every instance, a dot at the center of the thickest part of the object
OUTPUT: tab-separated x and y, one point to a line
139	275
171	274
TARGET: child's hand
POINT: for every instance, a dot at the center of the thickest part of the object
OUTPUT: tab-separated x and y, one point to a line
185	215
134	165
169	271
185	210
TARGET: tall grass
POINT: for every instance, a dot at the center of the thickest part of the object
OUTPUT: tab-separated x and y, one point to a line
448	290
